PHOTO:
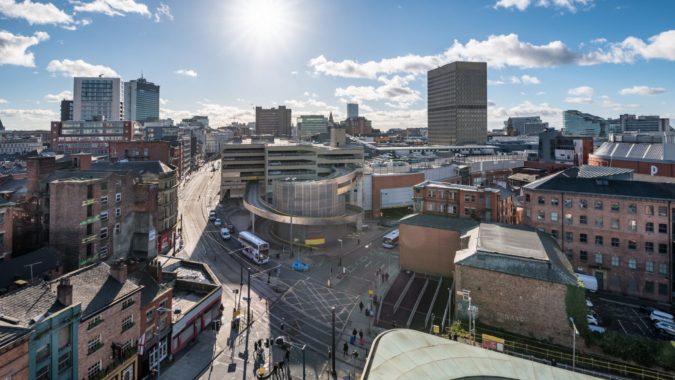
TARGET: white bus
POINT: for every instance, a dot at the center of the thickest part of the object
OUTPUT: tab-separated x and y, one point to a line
390	240
255	248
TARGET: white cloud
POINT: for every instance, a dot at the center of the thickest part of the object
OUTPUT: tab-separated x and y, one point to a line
112	7
548	113
394	90
55	98
14	48
163	11
79	68
34	13
3	101
523	79
163	101
660	46
614	106
186	72
497	82
311	106
600	40
562	5
294	72
383	120
23	119
580	95
642	90
528	79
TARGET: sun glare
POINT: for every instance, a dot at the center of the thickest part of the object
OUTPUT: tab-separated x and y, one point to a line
262	25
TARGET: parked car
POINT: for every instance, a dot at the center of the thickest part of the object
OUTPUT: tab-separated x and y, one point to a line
591	320
300	266
225	234
212	215
217	222
596	329
589	304
665	327
661	316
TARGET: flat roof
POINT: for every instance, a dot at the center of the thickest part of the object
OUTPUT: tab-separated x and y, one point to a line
460	225
409	354
518	242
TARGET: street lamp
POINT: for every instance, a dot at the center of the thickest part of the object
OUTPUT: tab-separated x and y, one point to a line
291	179
575	332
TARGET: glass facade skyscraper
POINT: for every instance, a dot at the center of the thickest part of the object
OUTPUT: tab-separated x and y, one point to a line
141	100
311	125
576	123
98	97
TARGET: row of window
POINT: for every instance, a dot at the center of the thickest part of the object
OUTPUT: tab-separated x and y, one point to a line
615	261
103	233
104	214
599	205
600	222
614	242
104	198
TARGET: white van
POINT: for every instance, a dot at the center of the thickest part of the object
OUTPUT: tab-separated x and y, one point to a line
225	234
661	316
590	282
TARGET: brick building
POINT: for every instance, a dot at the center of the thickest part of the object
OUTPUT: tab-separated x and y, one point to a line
619	231
451	200
517	277
170	154
13	351
70	137
650	154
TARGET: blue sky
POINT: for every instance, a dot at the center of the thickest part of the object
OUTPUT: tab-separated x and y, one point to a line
222	58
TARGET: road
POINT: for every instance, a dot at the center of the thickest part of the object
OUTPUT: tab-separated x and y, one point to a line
301	302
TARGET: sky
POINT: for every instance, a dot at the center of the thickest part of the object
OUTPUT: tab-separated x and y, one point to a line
221	58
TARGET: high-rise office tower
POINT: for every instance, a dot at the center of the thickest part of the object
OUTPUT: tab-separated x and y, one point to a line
457	103
273	121
352	110
141	100
311	125
66	110
576	123
98	97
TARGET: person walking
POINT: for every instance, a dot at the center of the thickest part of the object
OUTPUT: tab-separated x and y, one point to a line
361	340
361	306
345	349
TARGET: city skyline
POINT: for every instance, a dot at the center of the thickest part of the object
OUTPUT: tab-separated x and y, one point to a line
222	60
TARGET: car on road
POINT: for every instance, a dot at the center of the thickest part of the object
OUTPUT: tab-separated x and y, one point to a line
230	227
596	329
212	215
300	266
225	234
217	222
660	316
665	327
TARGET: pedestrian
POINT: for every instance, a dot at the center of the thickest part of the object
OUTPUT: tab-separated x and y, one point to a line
361	341
282	327
340	261
361	306
345	348
354	332
358	241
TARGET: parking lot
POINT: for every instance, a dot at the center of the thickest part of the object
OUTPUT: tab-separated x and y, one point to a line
625	318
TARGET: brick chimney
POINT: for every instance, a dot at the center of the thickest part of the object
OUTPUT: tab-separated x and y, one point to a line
64	292
118	270
36	169
82	161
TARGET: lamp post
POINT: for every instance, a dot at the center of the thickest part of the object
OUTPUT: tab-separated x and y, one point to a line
575	332
290	238
248	321
333	351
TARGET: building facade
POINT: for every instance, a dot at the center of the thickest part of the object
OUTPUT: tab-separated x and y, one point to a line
98	98
273	121
521	126
14	350
616	230
645	153
69	137
352	110
452	200
66	110
358	126
457	104
11	144
311	125
644	124
141	100
576	123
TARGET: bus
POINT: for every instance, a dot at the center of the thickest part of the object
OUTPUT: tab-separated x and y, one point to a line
255	248
390	240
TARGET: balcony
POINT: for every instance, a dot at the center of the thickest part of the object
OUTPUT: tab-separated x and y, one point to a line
88	261
89	239
90	220
88	202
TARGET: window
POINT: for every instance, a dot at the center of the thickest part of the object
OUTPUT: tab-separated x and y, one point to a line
117	228
615	242
104	199
663	268
583	256
527	197
42	373
42	352
118	212
632	208
541	215
431	194
663	289
103	233
583	219
615	224
541	200
632	264
649	246
583	238
632	244
598	205
568	219
649	227
554	216
94	370
663	211
615	207
104	216
94	322
127	302
649	286
118	197
615	261
568	236
568	203
554	201
2	218
64	362
93	345
649	266
554	233
663	228
632	225
599	222
570	253
127	323
583	203
599	240
663	249
149	315
649	210
103	251
598	258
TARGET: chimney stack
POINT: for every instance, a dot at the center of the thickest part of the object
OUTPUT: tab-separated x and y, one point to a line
64	292
155	270
118	270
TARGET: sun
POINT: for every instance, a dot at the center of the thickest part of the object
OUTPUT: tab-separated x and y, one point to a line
262	25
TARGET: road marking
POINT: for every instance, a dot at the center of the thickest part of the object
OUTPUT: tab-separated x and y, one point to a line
623	328
640	319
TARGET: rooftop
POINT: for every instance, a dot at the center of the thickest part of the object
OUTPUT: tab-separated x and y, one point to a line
452	186
187	270
460	225
409	354
9	333
45	259
139	167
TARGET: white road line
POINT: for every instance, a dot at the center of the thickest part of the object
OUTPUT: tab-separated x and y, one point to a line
640	319
623	328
